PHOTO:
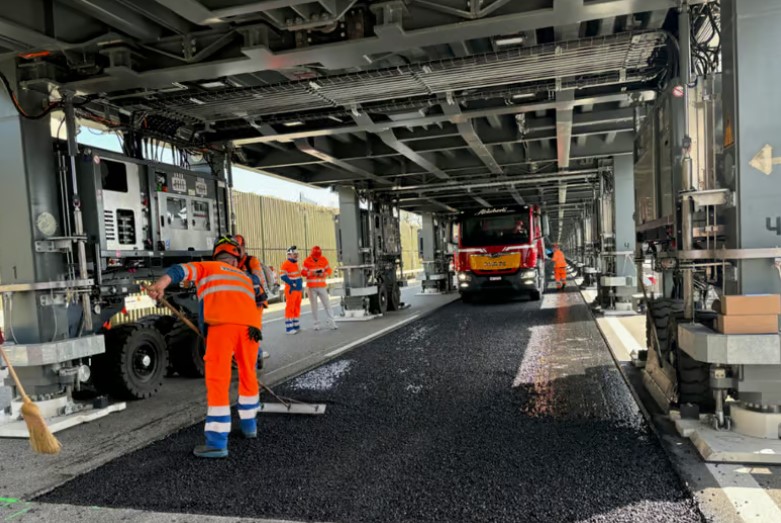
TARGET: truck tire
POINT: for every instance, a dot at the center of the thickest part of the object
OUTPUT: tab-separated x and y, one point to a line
394	297
134	363
186	351
378	303
663	311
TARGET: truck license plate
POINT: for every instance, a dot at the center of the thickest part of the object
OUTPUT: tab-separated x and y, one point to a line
496	278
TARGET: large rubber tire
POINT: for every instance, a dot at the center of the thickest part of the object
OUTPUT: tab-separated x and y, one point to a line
134	363
693	377
394	297
186	351
378	303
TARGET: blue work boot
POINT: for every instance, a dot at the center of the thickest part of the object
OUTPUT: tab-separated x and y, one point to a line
205	451
249	428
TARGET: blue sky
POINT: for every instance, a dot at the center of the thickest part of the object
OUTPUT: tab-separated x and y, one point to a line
243	180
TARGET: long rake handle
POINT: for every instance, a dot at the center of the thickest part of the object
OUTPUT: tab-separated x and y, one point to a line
24	395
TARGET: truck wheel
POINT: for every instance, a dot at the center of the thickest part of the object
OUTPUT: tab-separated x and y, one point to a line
467	298
693	381
134	363
378	303
394	297
185	351
663	311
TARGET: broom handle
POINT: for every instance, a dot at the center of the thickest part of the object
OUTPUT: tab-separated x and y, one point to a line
178	314
25	397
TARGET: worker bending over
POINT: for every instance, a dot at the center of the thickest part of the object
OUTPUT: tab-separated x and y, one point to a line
228	317
317	270
559	267
294	290
251	265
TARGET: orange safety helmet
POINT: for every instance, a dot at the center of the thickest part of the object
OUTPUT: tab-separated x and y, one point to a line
238	238
316	252
229	245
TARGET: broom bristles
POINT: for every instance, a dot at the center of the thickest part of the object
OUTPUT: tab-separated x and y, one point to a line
41	438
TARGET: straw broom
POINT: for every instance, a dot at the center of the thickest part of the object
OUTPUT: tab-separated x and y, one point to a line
41	439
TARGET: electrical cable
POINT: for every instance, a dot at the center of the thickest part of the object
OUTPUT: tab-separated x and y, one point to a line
19	108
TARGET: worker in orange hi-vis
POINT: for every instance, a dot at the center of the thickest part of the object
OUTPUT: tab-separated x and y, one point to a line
228	317
251	265
316	271
290	273
559	267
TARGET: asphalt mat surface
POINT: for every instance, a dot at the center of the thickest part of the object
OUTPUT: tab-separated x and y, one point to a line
507	411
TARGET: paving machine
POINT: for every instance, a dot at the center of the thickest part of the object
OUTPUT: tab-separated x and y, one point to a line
368	242
100	224
707	194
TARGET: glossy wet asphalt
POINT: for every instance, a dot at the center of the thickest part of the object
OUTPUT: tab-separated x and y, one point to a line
507	411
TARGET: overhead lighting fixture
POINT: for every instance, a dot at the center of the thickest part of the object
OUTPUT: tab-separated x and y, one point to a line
293	124
197	101
524	95
510	40
213	84
314	85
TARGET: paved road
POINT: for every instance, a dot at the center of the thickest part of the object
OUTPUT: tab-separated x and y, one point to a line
489	412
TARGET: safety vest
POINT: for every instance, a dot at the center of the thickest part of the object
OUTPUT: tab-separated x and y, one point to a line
291	270
313	279
252	265
226	294
559	262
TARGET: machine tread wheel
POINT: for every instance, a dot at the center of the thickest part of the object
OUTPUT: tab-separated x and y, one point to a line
186	351
693	381
394	297
662	310
134	364
378	303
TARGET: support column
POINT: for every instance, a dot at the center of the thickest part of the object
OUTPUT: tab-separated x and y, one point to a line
436	272
624	210
30	201
349	238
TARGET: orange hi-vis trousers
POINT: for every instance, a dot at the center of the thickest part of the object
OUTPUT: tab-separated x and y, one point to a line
223	342
292	309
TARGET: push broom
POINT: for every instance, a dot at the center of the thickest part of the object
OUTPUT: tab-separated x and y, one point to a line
285	406
41	438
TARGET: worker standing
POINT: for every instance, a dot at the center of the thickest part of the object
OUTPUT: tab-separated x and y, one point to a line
290	273
317	270
559	267
228	317
251	265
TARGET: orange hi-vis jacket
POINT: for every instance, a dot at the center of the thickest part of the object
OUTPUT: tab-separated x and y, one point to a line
559	261
226	293
313	278
290	270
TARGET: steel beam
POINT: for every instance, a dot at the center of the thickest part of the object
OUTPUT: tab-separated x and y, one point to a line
564	127
306	147
471	137
160	15
638	96
390	37
119	17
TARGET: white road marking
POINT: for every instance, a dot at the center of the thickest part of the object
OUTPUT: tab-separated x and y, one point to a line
751	501
628	341
370	336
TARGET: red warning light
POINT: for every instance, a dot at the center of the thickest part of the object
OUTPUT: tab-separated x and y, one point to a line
678	91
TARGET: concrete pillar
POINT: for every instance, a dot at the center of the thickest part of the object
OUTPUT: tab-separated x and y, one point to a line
30	202
624	210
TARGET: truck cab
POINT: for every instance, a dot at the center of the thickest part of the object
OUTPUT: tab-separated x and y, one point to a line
501	250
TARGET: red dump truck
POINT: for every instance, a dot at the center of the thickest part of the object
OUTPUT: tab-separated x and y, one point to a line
501	250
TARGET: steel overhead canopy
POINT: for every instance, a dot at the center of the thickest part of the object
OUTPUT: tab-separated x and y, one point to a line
390	37
639	96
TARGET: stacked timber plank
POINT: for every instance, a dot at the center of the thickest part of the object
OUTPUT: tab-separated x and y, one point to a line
748	314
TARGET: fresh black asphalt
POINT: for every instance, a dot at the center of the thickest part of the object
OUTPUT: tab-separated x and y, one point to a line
508	411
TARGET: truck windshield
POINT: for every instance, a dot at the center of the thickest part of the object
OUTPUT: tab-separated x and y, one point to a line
507	229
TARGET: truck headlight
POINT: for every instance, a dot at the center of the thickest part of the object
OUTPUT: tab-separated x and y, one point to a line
528	275
463	276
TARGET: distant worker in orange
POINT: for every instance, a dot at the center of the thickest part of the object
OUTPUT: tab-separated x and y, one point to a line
559	267
290	273
229	319
251	265
317	270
